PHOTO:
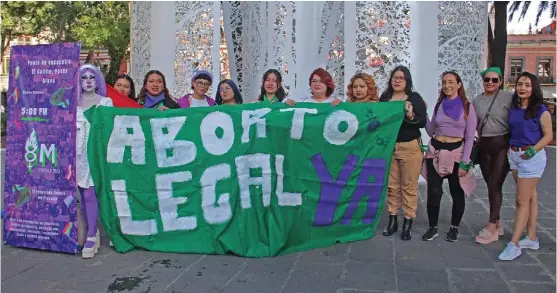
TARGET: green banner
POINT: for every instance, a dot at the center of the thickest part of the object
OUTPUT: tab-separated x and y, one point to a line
253	180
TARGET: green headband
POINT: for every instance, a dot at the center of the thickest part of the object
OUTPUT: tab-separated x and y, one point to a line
492	69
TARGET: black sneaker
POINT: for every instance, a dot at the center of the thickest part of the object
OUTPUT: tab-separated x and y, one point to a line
430	234
452	235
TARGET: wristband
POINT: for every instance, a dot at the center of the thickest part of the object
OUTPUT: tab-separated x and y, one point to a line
530	152
464	166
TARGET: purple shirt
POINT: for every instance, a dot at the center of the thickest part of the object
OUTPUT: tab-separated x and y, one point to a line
184	102
441	124
525	132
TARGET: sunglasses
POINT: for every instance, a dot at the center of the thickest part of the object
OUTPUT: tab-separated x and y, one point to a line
492	79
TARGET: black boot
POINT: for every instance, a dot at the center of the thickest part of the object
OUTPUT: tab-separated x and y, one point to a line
392	227
406	230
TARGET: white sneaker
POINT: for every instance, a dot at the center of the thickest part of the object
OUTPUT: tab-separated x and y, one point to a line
527	243
110	243
90	252
511	252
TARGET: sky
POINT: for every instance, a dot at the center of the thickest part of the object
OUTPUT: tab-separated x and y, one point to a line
521	27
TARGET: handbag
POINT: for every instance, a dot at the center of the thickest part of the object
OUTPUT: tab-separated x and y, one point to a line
475	153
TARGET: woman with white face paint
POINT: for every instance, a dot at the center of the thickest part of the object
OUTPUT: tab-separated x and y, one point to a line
92	92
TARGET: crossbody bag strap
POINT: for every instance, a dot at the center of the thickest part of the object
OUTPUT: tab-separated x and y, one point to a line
484	120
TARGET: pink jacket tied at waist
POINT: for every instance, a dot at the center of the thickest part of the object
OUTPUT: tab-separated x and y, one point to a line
443	161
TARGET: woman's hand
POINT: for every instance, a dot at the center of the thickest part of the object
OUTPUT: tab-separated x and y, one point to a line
162	108
409	108
463	169
336	101
290	102
528	154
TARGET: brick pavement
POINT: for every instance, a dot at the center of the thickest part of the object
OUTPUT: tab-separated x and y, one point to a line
381	264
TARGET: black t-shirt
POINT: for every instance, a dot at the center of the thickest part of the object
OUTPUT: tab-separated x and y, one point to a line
410	129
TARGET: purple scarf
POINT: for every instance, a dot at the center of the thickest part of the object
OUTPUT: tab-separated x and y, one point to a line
151	101
453	108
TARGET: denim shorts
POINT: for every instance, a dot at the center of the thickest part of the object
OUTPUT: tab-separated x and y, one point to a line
531	168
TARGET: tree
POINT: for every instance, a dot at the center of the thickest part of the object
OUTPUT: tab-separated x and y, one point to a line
543	6
107	26
18	19
97	25
497	42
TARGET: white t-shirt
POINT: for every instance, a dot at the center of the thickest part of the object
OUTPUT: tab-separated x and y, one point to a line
310	100
198	103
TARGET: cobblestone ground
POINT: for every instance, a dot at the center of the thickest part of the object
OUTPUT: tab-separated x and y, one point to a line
381	264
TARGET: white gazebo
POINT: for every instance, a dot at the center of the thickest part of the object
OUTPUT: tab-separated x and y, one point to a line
244	39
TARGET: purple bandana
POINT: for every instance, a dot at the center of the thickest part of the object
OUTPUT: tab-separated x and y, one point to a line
453	107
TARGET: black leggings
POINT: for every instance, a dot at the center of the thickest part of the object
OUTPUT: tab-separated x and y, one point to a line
435	188
495	167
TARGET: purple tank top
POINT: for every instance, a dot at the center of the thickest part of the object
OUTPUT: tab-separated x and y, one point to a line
525	132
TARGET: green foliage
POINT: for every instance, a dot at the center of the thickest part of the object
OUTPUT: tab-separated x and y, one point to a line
97	25
18	19
543	7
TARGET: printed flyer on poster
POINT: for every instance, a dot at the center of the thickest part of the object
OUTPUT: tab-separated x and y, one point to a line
39	186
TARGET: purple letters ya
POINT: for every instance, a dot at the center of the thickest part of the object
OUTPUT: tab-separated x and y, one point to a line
331	189
371	168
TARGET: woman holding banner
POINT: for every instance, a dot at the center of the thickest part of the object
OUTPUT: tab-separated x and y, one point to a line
154	93
271	88
228	93
92	93
362	89
200	83
322	87
124	84
407	156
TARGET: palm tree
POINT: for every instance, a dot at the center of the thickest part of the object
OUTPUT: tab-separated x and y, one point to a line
542	7
497	41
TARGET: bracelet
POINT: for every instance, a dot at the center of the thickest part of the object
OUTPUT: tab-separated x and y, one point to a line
530	152
464	166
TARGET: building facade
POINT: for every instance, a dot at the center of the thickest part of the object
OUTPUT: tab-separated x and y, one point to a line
534	52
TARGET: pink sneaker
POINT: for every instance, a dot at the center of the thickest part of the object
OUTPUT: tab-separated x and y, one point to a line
486	237
499	229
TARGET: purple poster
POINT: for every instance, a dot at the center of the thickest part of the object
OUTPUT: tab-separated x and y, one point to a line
40	187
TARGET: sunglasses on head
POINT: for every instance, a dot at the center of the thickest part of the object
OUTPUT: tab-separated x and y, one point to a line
492	79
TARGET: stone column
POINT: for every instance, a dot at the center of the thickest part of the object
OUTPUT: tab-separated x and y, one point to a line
163	40
424	54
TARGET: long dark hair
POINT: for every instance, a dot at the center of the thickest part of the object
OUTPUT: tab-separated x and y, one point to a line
461	94
387	95
280	94
536	98
132	85
143	92
237	94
